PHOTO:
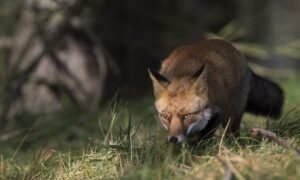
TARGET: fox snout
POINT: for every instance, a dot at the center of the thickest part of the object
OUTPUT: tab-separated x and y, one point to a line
176	130
178	134
177	139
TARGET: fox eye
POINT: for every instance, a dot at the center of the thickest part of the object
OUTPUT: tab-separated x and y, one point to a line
165	116
184	117
205	106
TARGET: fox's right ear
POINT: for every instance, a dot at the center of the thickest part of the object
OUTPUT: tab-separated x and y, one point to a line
200	79
160	83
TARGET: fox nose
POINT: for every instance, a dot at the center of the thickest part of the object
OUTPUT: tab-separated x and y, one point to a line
173	139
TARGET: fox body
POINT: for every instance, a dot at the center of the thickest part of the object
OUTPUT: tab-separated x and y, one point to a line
203	85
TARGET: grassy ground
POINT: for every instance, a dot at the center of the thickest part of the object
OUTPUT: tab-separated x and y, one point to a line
124	140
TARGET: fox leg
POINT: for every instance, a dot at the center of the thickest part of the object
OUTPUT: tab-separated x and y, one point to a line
238	107
232	122
234	125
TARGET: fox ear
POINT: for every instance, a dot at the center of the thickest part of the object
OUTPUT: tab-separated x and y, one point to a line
200	78
199	72
160	83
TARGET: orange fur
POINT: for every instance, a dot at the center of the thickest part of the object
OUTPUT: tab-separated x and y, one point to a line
219	90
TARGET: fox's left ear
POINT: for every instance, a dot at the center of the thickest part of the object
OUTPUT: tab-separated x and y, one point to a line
200	79
160	83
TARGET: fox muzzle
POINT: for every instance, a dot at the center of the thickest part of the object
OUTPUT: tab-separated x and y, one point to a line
176	139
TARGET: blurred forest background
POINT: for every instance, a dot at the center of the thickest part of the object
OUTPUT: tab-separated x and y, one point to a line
60	53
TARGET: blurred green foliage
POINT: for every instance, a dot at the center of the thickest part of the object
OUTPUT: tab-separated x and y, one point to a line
234	32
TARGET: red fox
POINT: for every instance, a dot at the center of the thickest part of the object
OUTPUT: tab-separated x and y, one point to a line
205	84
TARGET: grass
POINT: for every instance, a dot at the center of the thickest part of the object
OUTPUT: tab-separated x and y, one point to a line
125	141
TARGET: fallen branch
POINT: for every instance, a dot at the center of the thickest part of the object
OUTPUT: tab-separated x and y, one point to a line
256	132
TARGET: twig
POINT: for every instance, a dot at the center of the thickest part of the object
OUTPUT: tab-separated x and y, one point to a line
229	175
223	135
61	66
102	75
16	90
16	61
256	132
230	171
58	89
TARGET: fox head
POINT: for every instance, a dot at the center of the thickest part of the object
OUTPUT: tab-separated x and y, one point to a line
182	104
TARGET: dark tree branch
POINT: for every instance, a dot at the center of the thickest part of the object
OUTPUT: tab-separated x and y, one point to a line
51	40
